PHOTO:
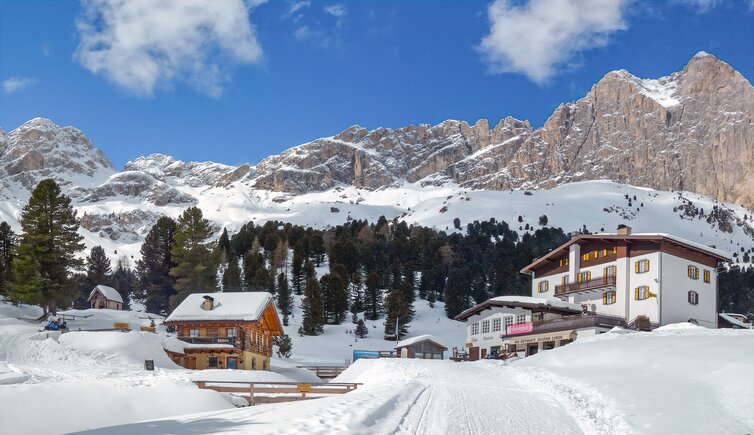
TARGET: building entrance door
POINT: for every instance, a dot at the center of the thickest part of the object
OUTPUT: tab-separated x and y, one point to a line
232	362
532	349
473	353
191	362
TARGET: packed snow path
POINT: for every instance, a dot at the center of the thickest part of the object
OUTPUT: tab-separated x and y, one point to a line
419	397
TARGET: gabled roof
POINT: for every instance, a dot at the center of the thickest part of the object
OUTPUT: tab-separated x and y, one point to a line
419	339
108	292
527	302
580	238
237	306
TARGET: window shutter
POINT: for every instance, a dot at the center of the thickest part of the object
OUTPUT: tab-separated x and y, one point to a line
636	267
612	299
636	293
604	299
589	276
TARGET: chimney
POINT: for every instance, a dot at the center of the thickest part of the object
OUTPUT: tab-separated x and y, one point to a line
209	303
624	230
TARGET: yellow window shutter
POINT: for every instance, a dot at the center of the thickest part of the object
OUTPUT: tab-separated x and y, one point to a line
589	276
636	294
604	299
636	267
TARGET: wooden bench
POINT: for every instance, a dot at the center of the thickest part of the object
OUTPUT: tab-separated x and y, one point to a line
283	391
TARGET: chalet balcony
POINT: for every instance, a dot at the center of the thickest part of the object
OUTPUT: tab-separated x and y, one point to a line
234	341
574	322
599	283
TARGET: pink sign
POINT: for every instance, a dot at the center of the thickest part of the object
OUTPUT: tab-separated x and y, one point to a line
521	328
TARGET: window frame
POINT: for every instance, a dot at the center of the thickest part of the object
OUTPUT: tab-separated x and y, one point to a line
585	257
507	321
546	286
642	290
231	332
638	266
497	324
520	318
475	328
692	272
707	276
612	295
193	333
485	326
587	274
693	297
595	254
209	363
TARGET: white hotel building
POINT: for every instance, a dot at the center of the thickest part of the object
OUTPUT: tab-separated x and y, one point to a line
598	281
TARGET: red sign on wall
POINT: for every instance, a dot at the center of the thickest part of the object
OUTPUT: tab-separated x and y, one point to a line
521	328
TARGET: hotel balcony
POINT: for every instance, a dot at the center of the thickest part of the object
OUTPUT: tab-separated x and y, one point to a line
577	321
233	341
599	283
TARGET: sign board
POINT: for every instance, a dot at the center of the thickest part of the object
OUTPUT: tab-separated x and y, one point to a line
521	328
304	388
468	345
121	325
369	354
149	364
148	329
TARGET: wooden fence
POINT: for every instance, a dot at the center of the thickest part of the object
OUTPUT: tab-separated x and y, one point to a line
325	372
274	392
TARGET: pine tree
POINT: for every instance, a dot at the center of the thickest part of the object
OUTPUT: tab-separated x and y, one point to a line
224	244
309	271
285	302
98	270
455	292
232	275
285	346
156	286
297	268
7	246
47	250
373	297
313	311
361	329
196	263
396	307
357	293
124	280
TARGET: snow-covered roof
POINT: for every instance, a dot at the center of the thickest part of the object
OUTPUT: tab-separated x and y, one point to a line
528	302
733	319
419	339
243	306
108	292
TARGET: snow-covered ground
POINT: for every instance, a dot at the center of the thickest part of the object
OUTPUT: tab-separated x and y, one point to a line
679	379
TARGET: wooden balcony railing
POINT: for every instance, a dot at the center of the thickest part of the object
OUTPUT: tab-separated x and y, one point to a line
234	341
575	322
592	284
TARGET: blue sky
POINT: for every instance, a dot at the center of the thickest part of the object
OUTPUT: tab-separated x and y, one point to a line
244	79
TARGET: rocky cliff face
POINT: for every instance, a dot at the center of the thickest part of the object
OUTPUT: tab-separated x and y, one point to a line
691	130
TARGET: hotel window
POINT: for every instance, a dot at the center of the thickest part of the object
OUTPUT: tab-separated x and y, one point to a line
260	340
609	271
563	262
693	272
608	298
615	249
564	280
693	298
585	257
520	318
231	332
496	324
508	322
193	332
706	276
474	328
641	293
641	266
485	327
595	254
585	276
604	252
212	361
543	286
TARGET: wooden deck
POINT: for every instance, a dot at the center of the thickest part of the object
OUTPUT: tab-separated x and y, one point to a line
274	392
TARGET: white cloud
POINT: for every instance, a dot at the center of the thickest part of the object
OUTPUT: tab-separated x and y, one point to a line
537	37
142	45
700	6
337	10
296	6
15	84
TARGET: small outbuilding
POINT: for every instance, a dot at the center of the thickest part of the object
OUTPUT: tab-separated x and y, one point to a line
105	297
421	347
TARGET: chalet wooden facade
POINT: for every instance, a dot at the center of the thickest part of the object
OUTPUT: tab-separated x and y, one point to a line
421	347
225	331
104	297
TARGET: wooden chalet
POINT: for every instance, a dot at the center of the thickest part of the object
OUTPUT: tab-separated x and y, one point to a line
104	297
422	347
225	330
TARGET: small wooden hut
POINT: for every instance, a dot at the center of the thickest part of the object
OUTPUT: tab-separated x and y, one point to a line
421	347
104	297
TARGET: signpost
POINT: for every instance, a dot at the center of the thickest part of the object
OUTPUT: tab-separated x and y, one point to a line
121	325
303	389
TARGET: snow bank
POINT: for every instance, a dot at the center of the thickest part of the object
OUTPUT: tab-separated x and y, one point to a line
122	347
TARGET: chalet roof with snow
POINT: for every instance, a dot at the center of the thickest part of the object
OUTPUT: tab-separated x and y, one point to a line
709	251
235	306
527	302
108	293
420	339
